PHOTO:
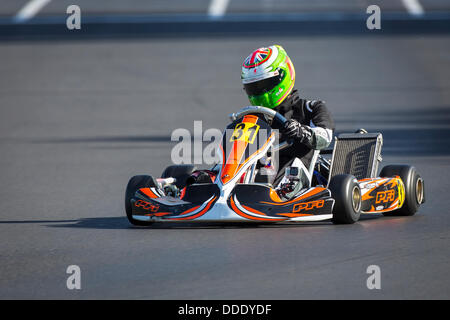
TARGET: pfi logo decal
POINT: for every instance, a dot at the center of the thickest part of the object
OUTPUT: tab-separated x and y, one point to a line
299	207
385	196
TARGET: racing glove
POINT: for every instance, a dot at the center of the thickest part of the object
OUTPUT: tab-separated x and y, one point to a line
293	130
315	138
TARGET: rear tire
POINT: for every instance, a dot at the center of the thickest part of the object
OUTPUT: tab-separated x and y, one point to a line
180	172
347	196
134	184
414	188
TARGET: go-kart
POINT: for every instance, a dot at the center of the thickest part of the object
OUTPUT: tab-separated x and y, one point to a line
339	189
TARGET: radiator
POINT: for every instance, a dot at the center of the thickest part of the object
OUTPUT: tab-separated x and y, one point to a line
357	154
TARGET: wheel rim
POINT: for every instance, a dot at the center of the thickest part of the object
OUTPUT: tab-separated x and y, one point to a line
356	198
419	190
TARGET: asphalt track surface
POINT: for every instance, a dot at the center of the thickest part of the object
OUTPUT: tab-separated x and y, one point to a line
79	118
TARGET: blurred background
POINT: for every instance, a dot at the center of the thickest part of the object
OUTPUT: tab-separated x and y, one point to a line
81	111
140	7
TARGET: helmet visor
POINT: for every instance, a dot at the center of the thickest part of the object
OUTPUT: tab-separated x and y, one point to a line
260	87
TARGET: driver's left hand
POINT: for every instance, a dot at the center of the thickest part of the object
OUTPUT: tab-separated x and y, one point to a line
295	131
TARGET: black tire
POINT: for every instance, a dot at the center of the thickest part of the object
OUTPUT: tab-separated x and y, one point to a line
347	196
133	185
414	188
180	172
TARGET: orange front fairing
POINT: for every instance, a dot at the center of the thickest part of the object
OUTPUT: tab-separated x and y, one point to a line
151	203
257	202
250	202
382	194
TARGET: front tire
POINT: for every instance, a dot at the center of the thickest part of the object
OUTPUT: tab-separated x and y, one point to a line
134	184
346	193
414	188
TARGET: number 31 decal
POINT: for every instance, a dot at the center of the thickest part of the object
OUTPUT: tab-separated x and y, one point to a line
245	131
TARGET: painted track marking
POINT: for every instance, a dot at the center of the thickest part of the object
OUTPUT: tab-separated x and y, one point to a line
30	9
413	7
217	8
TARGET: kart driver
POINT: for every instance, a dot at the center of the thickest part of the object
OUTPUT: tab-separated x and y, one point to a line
268	76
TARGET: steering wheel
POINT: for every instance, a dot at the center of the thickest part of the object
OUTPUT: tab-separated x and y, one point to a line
278	121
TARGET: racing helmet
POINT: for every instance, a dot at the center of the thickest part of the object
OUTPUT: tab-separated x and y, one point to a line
268	76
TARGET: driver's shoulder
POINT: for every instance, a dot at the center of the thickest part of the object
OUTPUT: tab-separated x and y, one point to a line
309	106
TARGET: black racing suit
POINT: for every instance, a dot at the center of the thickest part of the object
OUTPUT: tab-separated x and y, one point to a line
315	119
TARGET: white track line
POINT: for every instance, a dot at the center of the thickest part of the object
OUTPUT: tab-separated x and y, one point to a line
413	7
30	10
217	8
